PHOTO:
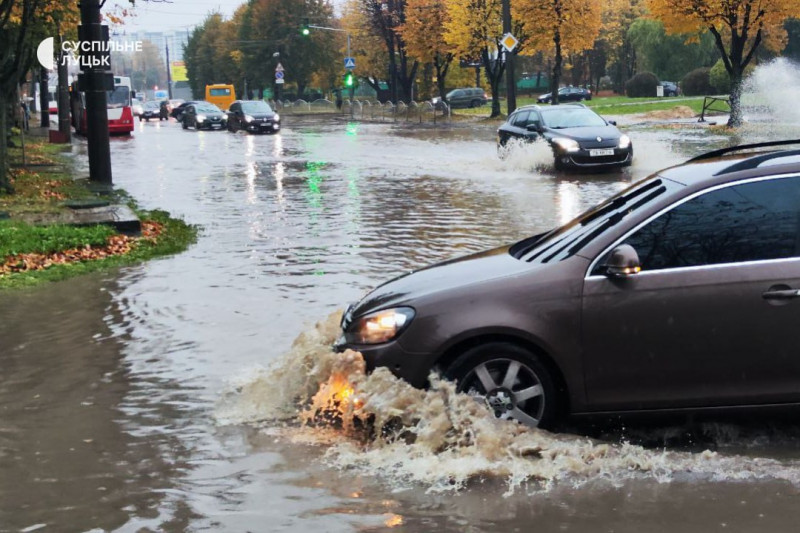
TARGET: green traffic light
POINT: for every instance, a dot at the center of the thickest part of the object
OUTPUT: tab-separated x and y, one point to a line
305	31
348	79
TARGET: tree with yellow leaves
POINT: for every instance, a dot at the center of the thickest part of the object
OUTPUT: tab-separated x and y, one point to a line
474	29
423	33
559	26
739	27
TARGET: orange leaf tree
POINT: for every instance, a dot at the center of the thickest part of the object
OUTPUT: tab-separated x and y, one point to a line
559	26
474	29
423	33
739	27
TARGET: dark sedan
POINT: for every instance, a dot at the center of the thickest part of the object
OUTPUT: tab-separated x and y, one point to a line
579	137
177	111
150	109
679	293
204	115
255	116
567	94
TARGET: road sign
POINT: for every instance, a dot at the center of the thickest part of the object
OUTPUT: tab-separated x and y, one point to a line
349	62
279	81
509	42
279	68
279	74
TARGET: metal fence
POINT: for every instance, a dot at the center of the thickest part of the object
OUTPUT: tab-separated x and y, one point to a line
368	110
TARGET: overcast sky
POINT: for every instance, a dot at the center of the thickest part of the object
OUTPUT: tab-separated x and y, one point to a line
177	14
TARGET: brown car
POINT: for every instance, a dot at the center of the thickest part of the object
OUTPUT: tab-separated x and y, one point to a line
681	292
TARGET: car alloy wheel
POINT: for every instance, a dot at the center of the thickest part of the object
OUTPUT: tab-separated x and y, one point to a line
512	382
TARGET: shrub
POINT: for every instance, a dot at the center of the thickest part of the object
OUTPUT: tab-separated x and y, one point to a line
696	83
719	79
643	84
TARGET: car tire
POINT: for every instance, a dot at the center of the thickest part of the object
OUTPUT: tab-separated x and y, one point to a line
521	386
185	126
475	103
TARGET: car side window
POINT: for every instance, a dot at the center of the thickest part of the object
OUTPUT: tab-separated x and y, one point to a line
521	119
748	222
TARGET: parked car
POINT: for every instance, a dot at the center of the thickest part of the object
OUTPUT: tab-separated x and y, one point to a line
670	88
150	109
679	293
204	115
567	94
177	111
255	116
579	137
474	97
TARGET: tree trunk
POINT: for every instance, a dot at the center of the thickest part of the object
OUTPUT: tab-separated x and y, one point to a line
494	73
556	69
735	118
5	184
44	98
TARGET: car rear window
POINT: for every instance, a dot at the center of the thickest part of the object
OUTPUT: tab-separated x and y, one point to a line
569	239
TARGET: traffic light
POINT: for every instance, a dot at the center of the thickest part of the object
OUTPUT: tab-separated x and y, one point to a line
349	79
304	29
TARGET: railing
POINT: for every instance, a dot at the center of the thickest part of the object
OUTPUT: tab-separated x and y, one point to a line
709	101
368	110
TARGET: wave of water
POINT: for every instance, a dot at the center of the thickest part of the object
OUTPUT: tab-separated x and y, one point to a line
440	439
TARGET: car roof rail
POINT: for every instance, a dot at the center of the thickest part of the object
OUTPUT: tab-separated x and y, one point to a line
755	162
729	149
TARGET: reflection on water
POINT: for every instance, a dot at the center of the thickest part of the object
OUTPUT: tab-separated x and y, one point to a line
108	394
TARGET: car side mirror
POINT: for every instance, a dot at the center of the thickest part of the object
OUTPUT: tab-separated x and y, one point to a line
534	127
623	262
612	122
133	94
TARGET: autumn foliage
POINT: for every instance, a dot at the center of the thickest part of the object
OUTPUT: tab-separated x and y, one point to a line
115	245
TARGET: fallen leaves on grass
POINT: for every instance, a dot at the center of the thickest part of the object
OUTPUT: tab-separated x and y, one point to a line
115	245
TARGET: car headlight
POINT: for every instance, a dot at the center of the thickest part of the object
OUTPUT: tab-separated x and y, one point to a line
624	141
276	118
567	145
201	118
379	327
248	118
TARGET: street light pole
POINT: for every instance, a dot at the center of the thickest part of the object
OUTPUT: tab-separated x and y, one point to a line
169	73
511	89
346	32
94	81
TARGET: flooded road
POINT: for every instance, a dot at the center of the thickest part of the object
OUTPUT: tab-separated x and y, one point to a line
113	384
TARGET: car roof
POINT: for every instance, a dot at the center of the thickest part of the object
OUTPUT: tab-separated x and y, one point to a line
736	163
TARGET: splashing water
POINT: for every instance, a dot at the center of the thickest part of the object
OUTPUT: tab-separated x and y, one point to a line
771	92
439	438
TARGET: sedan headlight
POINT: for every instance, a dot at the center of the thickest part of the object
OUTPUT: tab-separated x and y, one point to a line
624	141
276	117
379	327
248	118
567	145
201	118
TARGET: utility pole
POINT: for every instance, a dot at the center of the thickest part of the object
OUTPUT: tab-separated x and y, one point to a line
511	88
95	79
169	72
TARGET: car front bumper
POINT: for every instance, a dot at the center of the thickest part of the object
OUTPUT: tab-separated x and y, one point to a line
411	367
584	159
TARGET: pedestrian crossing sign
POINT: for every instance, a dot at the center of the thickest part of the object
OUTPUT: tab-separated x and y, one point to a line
349	62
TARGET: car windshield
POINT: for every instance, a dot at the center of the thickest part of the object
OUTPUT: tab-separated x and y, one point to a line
207	108
567	240
151	105
571	117
256	107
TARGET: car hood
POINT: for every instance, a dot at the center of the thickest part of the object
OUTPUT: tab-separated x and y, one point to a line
211	114
262	115
589	133
456	273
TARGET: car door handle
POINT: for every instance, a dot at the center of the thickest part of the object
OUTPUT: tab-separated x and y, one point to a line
785	294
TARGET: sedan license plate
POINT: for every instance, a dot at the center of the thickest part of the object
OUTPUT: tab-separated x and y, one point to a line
601	151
